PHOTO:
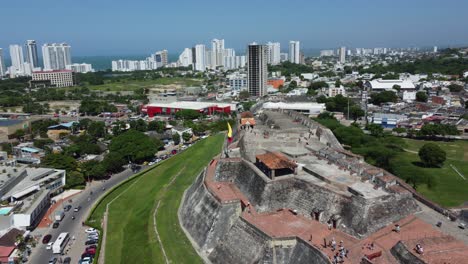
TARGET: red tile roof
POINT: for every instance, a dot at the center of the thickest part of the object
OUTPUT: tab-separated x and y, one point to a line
276	160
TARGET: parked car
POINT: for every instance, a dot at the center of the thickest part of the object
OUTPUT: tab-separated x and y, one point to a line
53	261
56	224
86	260
86	255
91	230
67	260
49	245
91	251
91	242
46	239
67	208
93	237
91	247
78	208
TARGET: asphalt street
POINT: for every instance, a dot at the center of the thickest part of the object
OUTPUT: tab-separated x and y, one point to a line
74	227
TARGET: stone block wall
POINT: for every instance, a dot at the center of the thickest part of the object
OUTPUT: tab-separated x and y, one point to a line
204	217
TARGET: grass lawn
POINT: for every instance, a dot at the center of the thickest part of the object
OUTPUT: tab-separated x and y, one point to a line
131	85
450	189
130	236
457	150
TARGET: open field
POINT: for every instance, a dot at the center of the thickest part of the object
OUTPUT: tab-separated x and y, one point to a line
131	85
450	190
457	150
131	236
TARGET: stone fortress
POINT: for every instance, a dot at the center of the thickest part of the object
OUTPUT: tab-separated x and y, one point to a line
287	188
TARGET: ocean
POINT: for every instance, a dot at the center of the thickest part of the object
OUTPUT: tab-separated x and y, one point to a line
102	63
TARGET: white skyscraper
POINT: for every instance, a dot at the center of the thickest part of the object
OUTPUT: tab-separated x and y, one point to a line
342	55
435	49
257	69
274	53
294	52
217	47
56	56
199	57
185	58
2	64
31	53
17	58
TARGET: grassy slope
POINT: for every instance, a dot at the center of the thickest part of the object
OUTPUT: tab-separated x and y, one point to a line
131	85
131	237
450	190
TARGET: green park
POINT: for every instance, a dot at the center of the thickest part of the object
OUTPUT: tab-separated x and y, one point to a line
143	225
448	188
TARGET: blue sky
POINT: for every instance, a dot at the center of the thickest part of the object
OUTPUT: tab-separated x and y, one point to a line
117	27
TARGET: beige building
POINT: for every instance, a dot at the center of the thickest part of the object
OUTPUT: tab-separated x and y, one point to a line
58	78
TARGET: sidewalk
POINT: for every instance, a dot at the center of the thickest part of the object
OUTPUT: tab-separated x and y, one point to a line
48	218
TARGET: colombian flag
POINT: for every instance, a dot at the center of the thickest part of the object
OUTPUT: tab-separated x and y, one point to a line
229	134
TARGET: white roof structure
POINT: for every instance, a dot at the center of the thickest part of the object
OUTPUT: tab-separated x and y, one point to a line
311	108
192	105
380	84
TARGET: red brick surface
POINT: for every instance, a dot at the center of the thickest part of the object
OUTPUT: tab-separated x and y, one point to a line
438	248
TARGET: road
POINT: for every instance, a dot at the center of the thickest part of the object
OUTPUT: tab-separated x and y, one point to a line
85	199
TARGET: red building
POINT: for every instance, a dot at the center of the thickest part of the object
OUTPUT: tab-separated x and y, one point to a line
207	108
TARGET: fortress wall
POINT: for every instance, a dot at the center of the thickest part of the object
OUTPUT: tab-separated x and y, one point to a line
305	254
227	171
301	196
365	216
403	255
242	244
204	218
249	182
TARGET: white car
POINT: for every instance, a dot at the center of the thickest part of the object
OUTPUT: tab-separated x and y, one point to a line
91	230
86	260
49	245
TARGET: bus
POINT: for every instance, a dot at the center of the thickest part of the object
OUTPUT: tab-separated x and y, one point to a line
60	243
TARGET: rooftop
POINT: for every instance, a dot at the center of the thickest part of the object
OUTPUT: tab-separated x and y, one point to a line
276	160
10	122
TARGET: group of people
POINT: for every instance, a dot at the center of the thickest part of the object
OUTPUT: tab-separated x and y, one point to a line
342	253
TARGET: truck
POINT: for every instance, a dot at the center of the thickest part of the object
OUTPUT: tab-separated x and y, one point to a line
59	215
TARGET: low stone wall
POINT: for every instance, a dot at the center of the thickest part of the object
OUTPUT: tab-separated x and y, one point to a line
403	255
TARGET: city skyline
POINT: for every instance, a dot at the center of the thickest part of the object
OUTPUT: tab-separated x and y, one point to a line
348	27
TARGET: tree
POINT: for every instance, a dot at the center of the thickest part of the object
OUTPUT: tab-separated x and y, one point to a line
356	112
318	85
383	97
134	146
176	138
74	179
455	88
157	126
399	130
421	96
93	170
59	161
244	95
396	87
113	162
432	155
139	125
337	83
186	136
96	129
92	107
375	130
292	85
187	114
